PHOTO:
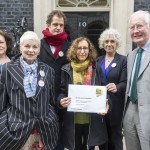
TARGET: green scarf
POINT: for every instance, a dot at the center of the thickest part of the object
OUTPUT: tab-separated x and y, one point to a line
78	69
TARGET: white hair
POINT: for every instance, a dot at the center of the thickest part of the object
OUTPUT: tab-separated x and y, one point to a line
139	12
29	35
106	33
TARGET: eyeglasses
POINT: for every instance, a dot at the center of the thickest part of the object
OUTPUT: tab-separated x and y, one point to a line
137	27
85	49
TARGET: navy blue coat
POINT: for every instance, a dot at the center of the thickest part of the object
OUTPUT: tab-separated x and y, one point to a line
117	75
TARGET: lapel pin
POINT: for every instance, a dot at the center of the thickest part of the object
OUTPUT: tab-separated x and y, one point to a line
61	54
113	65
42	73
41	83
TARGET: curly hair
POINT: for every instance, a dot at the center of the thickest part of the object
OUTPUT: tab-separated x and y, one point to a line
71	54
57	13
8	41
106	33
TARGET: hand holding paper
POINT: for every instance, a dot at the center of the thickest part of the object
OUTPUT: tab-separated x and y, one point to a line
64	102
106	111
87	98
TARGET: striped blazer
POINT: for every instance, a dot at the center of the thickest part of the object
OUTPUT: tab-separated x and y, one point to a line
19	114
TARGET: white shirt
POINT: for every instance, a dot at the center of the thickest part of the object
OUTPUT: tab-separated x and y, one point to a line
52	48
145	48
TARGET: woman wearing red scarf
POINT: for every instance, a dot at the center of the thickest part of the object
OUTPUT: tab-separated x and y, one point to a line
54	46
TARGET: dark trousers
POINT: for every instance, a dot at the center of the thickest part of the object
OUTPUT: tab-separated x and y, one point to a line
59	147
114	138
81	137
59	144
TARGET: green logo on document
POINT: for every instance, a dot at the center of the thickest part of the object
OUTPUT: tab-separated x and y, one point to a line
99	92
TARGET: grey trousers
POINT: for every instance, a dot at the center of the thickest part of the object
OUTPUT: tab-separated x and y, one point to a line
134	137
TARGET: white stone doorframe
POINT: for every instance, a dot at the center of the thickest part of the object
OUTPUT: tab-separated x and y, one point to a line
120	12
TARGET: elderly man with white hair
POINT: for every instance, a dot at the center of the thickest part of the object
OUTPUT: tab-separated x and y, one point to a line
137	103
27	98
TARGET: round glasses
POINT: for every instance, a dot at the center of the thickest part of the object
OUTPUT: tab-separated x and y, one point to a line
137	27
85	49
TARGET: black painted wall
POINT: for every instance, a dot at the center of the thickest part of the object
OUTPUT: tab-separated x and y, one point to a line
142	5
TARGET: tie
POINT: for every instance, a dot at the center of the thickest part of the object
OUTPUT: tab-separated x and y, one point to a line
133	93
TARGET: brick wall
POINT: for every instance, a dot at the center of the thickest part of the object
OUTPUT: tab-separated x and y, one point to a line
13	10
142	5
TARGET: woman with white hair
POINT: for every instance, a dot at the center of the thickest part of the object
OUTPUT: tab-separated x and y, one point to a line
26	98
114	77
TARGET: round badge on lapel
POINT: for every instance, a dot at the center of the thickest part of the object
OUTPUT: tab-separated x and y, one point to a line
41	83
42	73
113	65
61	54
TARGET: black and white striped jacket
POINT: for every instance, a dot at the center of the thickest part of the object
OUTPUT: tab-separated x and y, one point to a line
19	114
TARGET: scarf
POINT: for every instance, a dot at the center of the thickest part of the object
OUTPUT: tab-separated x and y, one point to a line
82	72
55	40
30	77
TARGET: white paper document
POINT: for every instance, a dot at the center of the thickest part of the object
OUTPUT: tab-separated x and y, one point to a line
87	98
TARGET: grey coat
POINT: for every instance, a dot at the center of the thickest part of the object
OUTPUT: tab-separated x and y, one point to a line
143	90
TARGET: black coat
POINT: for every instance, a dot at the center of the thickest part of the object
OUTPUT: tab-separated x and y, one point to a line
19	114
97	127
117	75
47	57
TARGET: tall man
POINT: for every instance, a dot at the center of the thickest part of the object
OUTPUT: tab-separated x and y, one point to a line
54	46
137	105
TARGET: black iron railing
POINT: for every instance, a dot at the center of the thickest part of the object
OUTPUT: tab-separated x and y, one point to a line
16	31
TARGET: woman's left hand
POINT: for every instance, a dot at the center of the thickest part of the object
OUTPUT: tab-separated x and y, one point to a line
111	87
106	111
64	102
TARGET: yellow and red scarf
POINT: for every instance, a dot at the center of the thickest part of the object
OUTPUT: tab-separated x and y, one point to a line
82	72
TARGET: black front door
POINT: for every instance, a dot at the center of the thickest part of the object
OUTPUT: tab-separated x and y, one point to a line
89	24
